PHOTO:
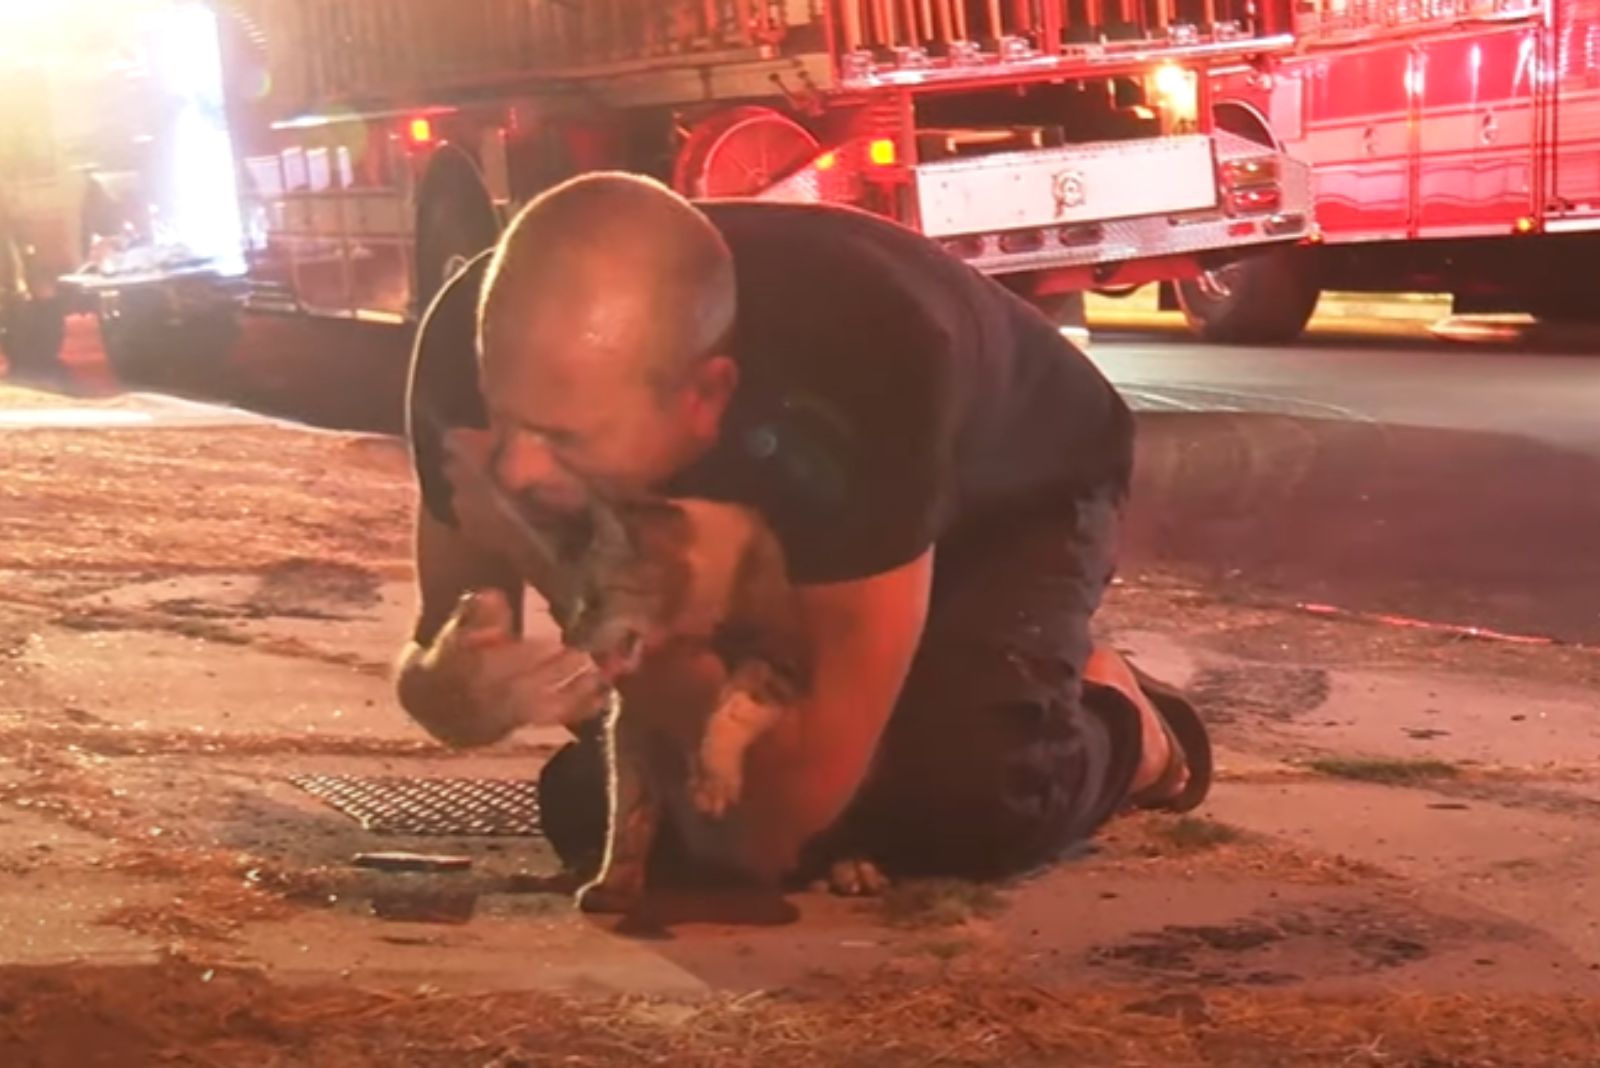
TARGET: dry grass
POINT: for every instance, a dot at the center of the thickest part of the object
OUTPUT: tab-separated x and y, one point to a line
214	893
184	919
60	783
939	903
190	1013
1387	772
1195	834
1155	845
54	742
202	500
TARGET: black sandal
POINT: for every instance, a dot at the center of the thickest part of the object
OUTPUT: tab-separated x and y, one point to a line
1191	750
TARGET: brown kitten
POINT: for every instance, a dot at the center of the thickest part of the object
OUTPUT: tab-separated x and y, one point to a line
678	578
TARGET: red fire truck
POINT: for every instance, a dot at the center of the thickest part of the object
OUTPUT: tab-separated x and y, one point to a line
1455	146
1057	144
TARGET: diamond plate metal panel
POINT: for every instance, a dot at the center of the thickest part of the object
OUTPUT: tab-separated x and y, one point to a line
453	807
1131	239
1056	186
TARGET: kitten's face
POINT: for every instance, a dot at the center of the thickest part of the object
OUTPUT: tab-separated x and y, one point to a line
634	571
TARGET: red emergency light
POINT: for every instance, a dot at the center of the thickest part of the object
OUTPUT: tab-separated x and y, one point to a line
420	130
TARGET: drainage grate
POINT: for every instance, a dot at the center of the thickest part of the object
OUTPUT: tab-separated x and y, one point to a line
397	805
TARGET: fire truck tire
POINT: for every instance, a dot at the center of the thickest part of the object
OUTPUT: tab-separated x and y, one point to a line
31	333
1265	299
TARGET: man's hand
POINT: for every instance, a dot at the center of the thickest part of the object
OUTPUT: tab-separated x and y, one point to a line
479	681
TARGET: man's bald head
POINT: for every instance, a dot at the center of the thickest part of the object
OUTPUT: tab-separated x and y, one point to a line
609	267
602	333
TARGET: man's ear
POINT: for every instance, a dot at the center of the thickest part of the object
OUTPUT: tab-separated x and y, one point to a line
712	388
470	445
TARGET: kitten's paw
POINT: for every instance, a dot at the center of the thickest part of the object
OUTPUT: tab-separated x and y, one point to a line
714	791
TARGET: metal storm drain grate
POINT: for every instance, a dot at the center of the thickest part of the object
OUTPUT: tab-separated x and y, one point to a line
397	805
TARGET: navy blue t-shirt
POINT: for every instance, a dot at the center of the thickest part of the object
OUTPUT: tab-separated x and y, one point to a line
889	394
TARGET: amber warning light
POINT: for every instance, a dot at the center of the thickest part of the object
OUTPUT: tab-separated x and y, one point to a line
420	130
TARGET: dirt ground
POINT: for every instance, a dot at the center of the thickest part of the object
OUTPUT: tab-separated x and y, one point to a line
1396	867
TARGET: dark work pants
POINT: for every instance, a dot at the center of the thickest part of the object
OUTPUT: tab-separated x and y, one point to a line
996	759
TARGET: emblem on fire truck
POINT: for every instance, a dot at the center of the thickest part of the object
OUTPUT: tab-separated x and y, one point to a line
1069	191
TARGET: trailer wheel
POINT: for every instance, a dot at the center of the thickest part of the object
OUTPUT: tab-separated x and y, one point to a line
741	152
31	332
1264	299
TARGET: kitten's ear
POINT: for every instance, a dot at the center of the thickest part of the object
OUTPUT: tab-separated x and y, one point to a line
658	526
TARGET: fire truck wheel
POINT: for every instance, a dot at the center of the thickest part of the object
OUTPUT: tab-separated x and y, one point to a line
31	332
1265	299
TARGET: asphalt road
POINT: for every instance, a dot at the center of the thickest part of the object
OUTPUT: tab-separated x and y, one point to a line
1548	395
1450	483
1371	472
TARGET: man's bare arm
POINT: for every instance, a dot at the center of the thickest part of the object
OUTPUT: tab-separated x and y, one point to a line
802	774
